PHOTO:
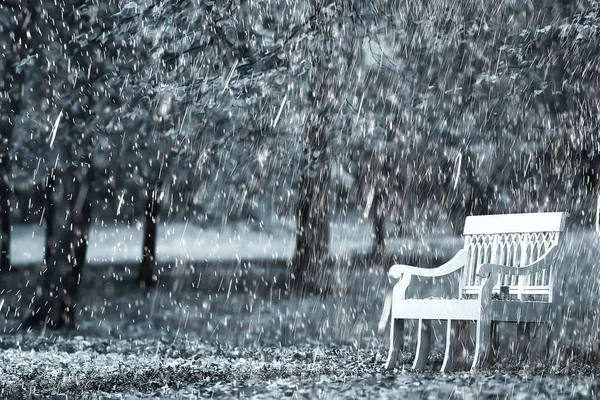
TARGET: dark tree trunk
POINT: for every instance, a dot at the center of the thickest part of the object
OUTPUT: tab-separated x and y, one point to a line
458	214
49	215
310	265
83	222
478	201
378	207
11	84
399	226
588	171
56	302
5	195
147	274
310	272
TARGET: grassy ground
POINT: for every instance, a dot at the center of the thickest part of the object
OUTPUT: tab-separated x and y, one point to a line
232	330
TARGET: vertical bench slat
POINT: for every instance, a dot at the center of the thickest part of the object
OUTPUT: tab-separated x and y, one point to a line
472	261
501	254
534	255
521	248
516	280
541	250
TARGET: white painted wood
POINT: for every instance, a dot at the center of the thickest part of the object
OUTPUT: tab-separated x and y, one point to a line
515	223
457	262
507	255
495	342
522	290
483	331
437	309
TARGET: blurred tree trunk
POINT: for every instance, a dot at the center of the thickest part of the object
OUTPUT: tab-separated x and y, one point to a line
11	87
379	210
147	274
56	296
310	265
5	196
83	219
379	177
458	214
477	200
49	215
586	165
588	170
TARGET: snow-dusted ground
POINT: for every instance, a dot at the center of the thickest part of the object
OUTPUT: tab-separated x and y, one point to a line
215	327
118	369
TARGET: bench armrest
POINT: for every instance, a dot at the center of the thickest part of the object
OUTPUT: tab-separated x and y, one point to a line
538	265
458	261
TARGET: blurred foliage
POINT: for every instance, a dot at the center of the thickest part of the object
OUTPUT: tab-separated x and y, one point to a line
451	107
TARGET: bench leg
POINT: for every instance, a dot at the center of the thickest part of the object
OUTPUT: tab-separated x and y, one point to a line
423	344
396	342
495	343
482	343
457	346
552	342
523	339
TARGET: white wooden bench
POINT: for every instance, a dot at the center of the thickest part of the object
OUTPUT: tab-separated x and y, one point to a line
505	274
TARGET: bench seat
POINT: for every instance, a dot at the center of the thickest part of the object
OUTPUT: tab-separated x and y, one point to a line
448	309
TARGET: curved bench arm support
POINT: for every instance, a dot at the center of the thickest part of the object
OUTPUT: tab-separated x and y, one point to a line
457	262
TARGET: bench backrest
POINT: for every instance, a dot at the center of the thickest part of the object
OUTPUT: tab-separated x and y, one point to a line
515	240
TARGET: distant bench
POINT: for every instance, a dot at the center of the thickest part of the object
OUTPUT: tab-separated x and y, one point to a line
506	275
